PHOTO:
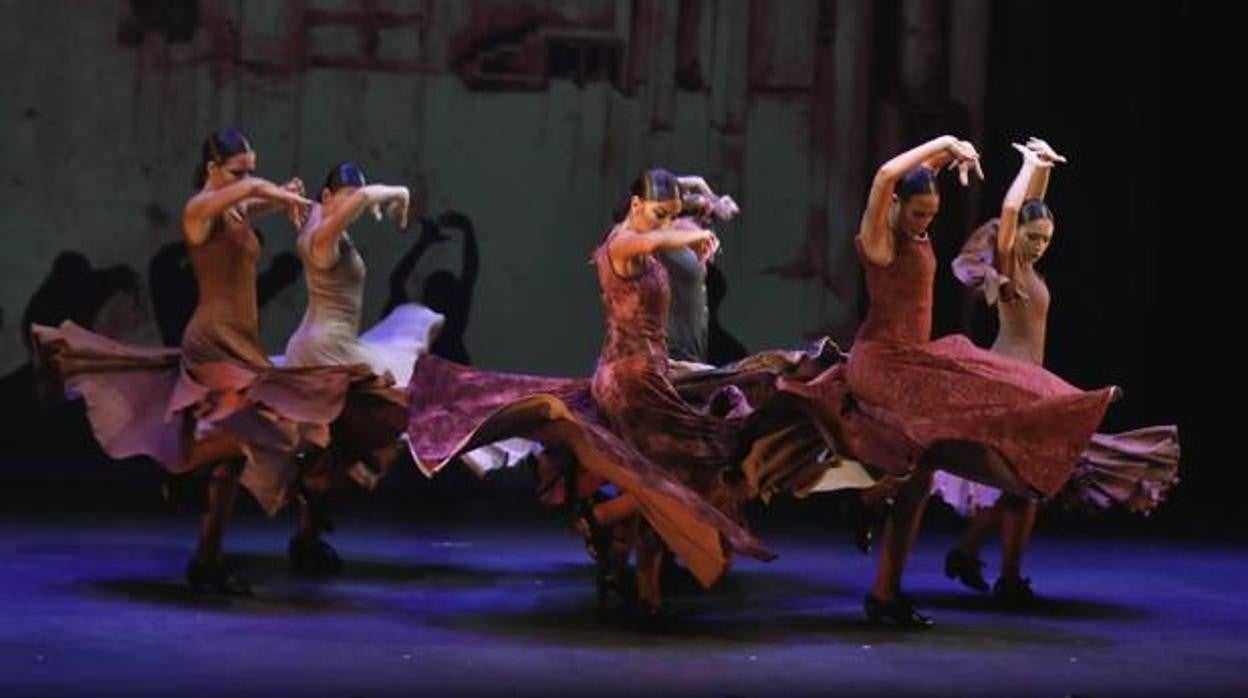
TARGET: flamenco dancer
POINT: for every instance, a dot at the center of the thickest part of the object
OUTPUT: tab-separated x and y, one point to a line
216	405
628	426
907	405
1132	469
365	438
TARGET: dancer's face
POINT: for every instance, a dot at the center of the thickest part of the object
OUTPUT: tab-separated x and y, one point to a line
914	215
1034	238
234	169
645	216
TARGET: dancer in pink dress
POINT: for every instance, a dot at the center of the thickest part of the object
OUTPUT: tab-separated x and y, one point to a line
1133	469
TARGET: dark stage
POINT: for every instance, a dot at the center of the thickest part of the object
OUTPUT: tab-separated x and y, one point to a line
491	597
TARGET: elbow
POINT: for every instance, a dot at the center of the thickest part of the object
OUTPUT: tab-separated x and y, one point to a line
885	177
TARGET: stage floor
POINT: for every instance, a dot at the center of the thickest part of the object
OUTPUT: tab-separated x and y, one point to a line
96	605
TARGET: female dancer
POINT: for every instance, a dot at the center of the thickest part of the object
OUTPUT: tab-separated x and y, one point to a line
1132	469
216	404
627	425
908	405
365	437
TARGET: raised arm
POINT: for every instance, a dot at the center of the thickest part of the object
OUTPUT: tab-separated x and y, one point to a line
874	231
208	204
1040	182
701	203
1013	203
626	246
327	229
256	207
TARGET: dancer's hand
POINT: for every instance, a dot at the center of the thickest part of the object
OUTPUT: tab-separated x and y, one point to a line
399	205
385	200
707	248
295	185
724	208
298	215
721	207
1044	150
1032	157
964	159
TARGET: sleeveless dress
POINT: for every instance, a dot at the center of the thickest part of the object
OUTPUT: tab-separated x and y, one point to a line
900	393
157	402
626	425
1132	469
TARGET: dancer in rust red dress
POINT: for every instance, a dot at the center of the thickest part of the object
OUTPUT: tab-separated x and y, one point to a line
907	405
672	460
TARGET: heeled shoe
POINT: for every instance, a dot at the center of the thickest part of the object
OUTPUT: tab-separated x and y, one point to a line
216	577
967	569
1014	592
313	557
900	612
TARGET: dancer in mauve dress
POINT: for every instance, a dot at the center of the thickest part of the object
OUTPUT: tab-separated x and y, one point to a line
365	438
1133	469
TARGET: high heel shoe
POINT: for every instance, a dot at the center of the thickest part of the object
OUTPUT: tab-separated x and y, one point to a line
967	569
900	612
1014	592
313	557
215	577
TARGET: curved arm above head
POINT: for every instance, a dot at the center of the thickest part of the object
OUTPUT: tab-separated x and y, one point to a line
874	231
1015	196
707	205
208	204
1040	182
327	229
